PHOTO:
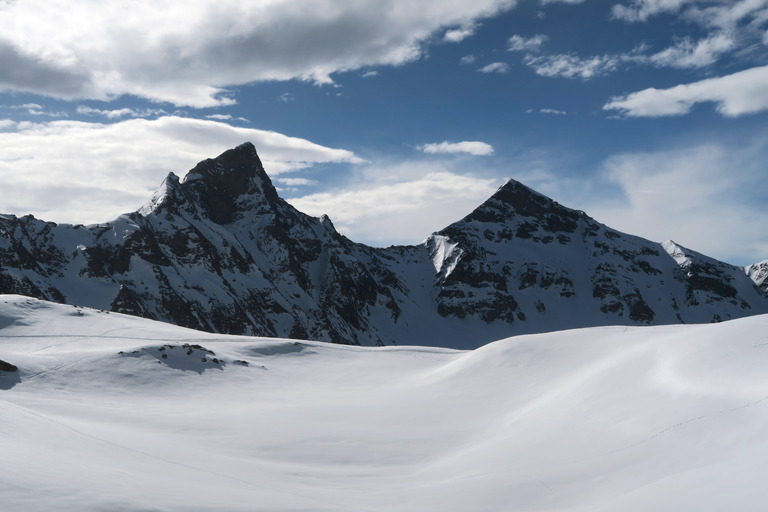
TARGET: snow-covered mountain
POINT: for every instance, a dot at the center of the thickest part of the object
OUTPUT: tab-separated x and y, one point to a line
113	412
220	251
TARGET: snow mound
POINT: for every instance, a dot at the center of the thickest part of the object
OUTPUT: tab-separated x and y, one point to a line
623	419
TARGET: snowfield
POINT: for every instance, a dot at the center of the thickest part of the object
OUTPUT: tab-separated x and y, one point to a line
111	412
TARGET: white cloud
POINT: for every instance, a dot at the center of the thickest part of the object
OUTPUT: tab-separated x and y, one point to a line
687	55
6	123
727	15
286	97
544	2
708	198
34	109
472	147
403	203
553	111
641	10
295	182
27	106
225	117
720	14
470	59
369	74
495	67
518	43
459	34
187	53
571	66
77	172
118	113
111	114
744	92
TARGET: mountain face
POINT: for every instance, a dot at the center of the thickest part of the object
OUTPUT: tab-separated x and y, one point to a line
220	251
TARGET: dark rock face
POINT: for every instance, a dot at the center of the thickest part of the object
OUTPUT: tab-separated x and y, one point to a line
524	260
221	251
7	367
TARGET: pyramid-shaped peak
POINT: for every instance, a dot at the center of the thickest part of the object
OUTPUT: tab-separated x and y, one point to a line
221	183
516	194
514	198
242	161
514	205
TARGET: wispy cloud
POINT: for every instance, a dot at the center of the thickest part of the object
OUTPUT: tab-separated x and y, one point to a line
728	27
26	106
111	114
118	113
471	147
571	66
225	117
518	43
495	67
683	54
35	109
641	10
461	33
744	92
103	174
712	14
553	111
467	59
686	54
295	182
692	195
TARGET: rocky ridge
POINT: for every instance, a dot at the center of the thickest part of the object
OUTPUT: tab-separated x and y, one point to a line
220	251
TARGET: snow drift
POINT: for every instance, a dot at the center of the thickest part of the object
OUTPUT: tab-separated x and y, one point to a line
112	412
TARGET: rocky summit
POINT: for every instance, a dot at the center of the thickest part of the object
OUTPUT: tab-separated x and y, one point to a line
220	251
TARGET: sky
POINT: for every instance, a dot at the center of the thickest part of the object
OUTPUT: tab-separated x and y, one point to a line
395	117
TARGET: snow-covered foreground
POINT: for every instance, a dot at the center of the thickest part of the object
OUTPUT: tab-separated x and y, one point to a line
623	419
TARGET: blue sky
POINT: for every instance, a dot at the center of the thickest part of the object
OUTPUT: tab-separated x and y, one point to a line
398	117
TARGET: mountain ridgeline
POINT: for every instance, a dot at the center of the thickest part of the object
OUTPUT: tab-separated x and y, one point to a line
220	251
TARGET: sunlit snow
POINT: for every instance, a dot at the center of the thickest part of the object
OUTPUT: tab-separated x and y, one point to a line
110	412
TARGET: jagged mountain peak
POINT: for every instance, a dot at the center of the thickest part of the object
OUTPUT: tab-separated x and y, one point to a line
221	188
220	251
240	162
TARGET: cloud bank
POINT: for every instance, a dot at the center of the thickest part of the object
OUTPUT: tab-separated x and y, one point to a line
76	172
472	147
744	92
188	53
400	203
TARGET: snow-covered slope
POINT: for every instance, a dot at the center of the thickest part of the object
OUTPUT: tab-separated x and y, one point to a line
221	252
759	274
112	412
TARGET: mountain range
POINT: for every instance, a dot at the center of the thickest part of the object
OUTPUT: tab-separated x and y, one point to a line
220	251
